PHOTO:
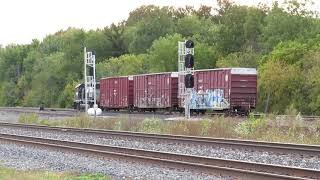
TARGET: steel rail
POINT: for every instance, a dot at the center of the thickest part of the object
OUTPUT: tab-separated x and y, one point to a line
37	108
302	149
48	111
67	111
239	169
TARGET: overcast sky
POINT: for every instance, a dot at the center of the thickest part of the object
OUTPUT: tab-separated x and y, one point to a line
24	20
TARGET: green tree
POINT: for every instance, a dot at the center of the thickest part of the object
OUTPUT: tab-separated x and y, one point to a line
164	54
240	59
116	35
310	93
123	65
67	95
279	84
150	23
189	25
230	37
282	26
98	41
290	52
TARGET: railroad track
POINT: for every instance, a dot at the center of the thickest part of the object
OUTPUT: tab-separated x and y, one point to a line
68	112
263	146
37	109
238	169
46	111
304	149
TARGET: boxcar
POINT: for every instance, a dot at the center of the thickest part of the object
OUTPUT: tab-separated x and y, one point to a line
116	93
225	89
156	91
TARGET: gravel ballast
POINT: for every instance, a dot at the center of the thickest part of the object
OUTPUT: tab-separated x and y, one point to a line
35	158
287	159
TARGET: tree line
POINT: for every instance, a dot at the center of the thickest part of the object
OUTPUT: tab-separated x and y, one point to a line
281	41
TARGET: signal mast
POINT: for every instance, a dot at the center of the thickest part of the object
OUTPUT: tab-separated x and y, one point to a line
186	72
90	82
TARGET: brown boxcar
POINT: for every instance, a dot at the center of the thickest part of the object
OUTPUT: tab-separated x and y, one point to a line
156	91
232	89
116	92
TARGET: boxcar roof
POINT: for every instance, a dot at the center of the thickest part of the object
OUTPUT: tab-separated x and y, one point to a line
233	70
175	74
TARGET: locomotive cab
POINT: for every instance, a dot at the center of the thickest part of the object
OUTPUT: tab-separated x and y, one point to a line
79	96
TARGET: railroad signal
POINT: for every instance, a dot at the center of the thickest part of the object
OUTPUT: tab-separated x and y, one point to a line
189	61
189	64
189	81
90	71
185	77
189	44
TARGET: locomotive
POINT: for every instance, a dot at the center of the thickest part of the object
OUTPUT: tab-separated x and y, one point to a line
79	96
225	90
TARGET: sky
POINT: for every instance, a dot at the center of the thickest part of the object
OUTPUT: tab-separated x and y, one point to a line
24	20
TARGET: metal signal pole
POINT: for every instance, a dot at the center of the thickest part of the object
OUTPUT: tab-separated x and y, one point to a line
185	90
89	78
85	79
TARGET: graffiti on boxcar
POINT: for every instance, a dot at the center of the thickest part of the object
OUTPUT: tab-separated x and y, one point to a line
209	99
153	102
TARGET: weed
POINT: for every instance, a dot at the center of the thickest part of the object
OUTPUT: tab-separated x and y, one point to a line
179	127
12	174
266	128
151	126
205	126
29	118
222	127
253	127
81	121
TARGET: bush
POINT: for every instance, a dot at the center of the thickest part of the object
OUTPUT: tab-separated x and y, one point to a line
252	127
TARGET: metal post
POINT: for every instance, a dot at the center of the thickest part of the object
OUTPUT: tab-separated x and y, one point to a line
187	104
94	85
85	80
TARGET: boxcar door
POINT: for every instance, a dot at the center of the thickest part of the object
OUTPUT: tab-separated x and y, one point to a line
150	89
115	97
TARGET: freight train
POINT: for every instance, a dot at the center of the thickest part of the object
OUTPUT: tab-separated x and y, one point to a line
226	90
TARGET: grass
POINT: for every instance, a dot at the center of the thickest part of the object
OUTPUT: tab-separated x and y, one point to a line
12	174
265	128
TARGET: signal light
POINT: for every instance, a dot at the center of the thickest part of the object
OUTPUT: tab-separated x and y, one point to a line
90	71
189	44
189	81
189	61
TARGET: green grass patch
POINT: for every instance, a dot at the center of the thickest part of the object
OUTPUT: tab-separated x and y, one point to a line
12	174
29	118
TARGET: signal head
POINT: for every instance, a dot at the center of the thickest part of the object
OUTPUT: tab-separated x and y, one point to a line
189	81
189	44
189	61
